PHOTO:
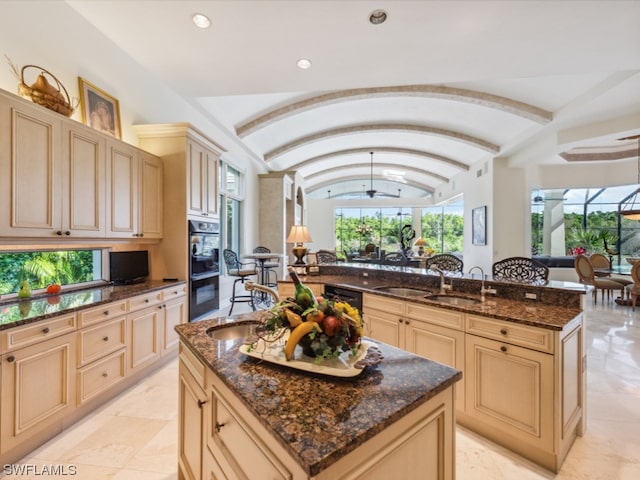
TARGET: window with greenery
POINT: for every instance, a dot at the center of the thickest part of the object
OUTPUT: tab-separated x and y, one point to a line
442	227
231	197
42	268
570	221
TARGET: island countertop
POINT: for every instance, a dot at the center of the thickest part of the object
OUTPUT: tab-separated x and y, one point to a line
318	419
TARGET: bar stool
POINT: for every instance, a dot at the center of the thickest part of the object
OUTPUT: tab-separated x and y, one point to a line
268	268
235	268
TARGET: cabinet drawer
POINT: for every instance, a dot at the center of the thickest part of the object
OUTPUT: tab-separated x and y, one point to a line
436	316
36	332
144	301
101	313
239	443
516	334
174	292
378	302
98	341
101	375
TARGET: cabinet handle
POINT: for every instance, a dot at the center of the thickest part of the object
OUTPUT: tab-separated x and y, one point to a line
106	312
159	307
406	322
45	330
105	374
11	359
219	426
503	348
67	233
141	235
503	331
146	300
59	233
106	339
201	403
400	320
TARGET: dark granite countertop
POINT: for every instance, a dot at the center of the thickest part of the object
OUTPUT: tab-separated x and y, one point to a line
19	312
556	304
319	419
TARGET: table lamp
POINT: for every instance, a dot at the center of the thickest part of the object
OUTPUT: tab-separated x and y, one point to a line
298	235
420	243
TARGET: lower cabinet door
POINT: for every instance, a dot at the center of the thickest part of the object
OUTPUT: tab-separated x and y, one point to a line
38	389
174	314
144	332
383	326
191	398
510	389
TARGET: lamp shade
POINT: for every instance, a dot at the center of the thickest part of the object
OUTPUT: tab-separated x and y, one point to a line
421	242
299	234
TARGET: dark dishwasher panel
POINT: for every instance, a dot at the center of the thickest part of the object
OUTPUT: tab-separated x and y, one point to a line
352	297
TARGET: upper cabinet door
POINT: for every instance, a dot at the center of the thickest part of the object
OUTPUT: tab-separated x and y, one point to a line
211	191
83	206
123	190
151	192
197	174
30	170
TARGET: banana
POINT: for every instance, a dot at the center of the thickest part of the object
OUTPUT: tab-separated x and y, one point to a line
296	335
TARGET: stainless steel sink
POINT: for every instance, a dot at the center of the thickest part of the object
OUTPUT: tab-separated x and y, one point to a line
453	299
402	291
232	331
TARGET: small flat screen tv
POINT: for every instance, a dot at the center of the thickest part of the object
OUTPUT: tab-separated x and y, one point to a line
128	267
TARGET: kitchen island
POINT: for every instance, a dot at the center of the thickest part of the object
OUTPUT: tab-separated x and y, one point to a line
242	417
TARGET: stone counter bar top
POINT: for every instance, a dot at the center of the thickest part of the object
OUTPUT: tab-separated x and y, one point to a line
317	418
20	312
555	304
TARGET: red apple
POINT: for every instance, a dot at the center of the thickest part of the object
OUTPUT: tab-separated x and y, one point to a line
331	325
54	288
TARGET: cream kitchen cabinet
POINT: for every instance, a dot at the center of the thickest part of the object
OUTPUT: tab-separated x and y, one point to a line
434	333
38	392
135	192
288	289
52	173
523	386
202	179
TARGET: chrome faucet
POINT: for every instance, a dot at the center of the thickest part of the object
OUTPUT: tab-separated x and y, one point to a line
443	286
482	289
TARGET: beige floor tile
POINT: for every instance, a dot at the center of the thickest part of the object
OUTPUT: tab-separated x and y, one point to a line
115	443
128	474
148	400
160	454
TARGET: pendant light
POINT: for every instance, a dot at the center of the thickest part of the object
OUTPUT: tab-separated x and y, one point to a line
631	208
371	192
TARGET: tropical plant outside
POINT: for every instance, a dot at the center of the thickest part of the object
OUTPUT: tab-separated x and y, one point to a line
42	268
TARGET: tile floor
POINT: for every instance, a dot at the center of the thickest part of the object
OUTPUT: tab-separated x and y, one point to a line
134	436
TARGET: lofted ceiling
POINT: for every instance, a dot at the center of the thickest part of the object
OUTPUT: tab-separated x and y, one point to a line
438	87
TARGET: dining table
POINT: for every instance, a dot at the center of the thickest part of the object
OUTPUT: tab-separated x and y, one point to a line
262	259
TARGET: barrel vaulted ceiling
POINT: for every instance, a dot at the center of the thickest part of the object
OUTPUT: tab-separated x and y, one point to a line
438	88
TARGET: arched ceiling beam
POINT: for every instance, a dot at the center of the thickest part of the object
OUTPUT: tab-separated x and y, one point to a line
483	99
383	127
392	166
400	150
420	186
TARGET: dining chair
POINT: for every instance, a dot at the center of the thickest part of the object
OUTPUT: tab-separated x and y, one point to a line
395	258
269	267
634	289
242	271
445	262
602	268
586	276
521	269
326	256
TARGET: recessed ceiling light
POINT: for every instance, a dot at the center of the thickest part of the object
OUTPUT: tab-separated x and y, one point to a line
201	21
304	63
377	17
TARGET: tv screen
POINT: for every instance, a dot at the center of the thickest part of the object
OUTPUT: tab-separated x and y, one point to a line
128	267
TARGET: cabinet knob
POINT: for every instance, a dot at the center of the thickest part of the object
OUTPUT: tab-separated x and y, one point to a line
45	330
503	331
201	403
141	235
67	233
106	312
400	320
406	322
106	339
146	300
11	359
219	426
503	348
105	374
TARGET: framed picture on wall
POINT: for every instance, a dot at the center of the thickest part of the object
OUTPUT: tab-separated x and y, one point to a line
479	225
100	110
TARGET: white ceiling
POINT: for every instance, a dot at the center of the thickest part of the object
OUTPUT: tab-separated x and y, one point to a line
486	73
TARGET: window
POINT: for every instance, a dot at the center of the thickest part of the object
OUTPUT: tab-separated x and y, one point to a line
231	197
443	227
43	267
569	221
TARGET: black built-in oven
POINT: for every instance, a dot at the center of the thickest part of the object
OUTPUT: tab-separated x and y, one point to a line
204	268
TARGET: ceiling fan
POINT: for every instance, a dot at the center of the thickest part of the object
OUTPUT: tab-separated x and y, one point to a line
371	192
